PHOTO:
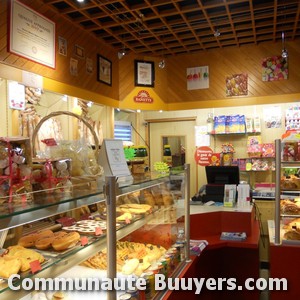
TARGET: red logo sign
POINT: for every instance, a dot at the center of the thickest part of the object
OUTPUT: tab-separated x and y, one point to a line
203	155
143	96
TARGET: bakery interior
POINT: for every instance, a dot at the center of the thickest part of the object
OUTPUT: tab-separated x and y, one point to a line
58	213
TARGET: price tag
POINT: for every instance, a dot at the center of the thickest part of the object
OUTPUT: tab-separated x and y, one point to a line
84	240
98	231
35	266
127	221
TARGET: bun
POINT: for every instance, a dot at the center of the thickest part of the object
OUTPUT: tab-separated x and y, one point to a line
28	241
64	242
58	296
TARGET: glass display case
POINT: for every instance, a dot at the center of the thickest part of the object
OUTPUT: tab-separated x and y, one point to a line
111	231
287	207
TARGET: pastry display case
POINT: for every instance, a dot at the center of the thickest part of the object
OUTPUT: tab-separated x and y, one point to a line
110	231
287	207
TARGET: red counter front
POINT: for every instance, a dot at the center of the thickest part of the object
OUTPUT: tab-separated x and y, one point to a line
222	260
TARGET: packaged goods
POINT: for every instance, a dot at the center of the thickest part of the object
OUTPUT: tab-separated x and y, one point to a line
15	170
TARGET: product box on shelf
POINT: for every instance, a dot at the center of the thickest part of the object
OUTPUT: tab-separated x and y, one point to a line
254	146
15	169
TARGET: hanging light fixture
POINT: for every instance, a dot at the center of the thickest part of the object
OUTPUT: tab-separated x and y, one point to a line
217	32
284	52
162	64
122	52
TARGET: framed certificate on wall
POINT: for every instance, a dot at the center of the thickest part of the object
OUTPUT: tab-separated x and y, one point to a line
144	73
31	35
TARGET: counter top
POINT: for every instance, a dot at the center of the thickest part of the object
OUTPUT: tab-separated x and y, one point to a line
200	209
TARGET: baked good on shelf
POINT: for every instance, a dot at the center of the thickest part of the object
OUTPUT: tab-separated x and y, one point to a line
130	266
290	182
288	206
86	226
9	265
129	254
293	225
67	241
125	216
59	296
292	235
135	208
29	240
148	198
45	243
25	255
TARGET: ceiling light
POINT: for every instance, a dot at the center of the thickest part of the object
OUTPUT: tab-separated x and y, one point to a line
162	64
121	53
80	1
284	52
217	33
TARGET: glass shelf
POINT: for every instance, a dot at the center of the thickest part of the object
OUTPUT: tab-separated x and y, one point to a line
45	204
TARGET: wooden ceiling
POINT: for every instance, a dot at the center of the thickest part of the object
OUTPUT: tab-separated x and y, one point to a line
173	27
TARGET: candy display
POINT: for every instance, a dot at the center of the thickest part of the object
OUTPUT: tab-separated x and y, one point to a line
15	170
227	154
254	146
51	174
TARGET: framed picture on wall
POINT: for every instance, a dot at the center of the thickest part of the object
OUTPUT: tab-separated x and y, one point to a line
79	51
27	41
104	70
144	73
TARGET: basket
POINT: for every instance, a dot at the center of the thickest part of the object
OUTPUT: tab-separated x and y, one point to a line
83	181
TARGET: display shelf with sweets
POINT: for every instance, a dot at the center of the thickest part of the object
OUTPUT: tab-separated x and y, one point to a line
151	230
287	204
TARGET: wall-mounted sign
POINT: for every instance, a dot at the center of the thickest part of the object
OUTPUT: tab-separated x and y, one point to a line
16	95
31	35
203	155
143	96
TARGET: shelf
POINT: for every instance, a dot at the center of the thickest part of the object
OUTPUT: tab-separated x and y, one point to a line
47	204
52	203
286	164
57	265
233	133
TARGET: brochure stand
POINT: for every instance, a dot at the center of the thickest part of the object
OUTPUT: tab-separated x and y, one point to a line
112	159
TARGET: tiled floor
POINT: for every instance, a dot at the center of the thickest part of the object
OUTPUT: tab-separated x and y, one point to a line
264	295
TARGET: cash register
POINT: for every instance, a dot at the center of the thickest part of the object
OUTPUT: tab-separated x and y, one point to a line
216	178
